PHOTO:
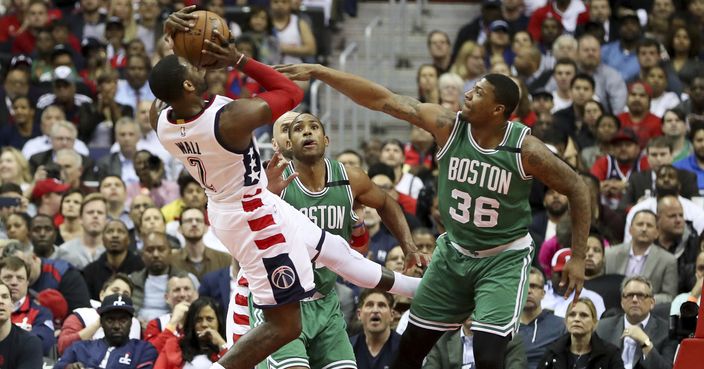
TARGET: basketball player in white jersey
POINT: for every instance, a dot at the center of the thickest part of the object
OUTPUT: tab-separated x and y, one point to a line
273	242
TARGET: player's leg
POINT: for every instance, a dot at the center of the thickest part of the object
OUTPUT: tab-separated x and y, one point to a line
443	301
500	294
335	253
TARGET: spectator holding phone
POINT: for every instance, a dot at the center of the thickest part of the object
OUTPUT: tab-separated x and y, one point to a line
152	182
11	201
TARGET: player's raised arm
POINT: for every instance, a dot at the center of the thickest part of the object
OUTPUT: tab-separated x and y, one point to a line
368	194
539	162
431	117
240	117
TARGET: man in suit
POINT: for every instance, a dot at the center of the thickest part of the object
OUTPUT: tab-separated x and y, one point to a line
642	337
219	284
641	257
127	133
454	350
659	151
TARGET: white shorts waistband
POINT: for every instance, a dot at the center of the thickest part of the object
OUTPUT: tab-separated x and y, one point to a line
517	244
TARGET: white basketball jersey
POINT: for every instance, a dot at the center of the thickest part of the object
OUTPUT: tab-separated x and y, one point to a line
226	175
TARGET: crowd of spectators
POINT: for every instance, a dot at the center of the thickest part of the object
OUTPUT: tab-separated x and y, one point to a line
105	243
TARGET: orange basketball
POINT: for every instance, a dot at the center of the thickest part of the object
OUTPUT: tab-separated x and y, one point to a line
189	44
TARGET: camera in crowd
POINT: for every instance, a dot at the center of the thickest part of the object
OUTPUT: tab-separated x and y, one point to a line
53	170
683	326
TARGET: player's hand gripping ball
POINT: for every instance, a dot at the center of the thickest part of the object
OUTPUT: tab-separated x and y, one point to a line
189	44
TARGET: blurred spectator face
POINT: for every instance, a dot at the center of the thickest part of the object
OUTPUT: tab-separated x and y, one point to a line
658	156
116	324
594	262
565	47
606	129
630	29
259	21
392	155
697	91
9	167
142	116
152	221
499	38
589	53
194	196
626	151
136	72
449	93
599	10
280	8
116	238
90	6
425	243
107	90
148	9
192	225
139	204
136	47
372	150
536	291
395	259
217	7
206	319
155	254
51	202
439	45
121	9
117	287
51	115
127	136
592	112
371	217
662	8
521	39
60	33
114	34
246	48
648	56
673	126
16	83
555	203
475	62
94	217
37	15
671	217
64	91
375	314
23	113
698	145
542	104
17	281
71	170
563	74
113	190
45	43
17	228
666	181
681	41
62	59
696	7
427	78
350	160
549	30
579	320
42	233
638	101
644	229
637	301
6	305
179	290
71	205
216	79
657	79
582	92
500	68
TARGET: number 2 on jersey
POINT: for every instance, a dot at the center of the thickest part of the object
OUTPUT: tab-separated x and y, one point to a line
485	209
196	162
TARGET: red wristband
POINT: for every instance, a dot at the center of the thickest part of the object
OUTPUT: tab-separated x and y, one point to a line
361	240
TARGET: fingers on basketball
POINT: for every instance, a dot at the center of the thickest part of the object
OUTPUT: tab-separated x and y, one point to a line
190	44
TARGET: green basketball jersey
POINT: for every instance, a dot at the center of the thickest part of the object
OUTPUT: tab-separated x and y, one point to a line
331	209
483	193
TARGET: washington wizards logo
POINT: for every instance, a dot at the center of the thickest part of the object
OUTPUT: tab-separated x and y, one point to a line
283	277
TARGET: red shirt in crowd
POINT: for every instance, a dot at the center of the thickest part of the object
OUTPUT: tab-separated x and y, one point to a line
649	127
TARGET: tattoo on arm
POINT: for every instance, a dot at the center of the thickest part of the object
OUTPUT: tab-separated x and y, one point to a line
403	107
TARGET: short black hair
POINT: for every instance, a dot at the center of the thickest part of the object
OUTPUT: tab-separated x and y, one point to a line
566	61
583	77
383	169
351	152
184	180
694	128
370	291
166	79
506	92
647	42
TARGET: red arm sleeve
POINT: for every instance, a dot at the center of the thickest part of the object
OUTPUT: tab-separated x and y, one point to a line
281	94
157	337
69	332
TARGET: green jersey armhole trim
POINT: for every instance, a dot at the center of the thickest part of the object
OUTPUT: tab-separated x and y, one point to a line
482	150
525	176
453	134
350	196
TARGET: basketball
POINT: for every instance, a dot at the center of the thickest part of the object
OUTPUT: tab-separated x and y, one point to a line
189	44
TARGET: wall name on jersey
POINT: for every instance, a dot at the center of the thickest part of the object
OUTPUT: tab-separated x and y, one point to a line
326	216
479	173
189	148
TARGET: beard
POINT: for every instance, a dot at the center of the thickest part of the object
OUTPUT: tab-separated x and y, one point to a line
557	211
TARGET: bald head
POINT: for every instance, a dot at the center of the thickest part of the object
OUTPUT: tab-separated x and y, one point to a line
280	133
670	221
